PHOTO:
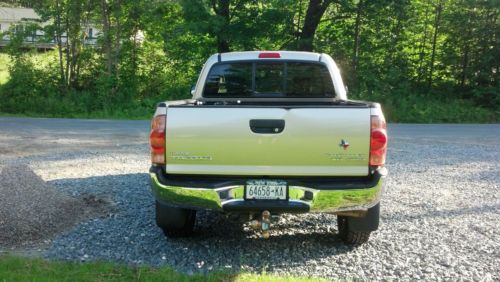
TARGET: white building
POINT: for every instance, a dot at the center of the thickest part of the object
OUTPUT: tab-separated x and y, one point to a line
12	17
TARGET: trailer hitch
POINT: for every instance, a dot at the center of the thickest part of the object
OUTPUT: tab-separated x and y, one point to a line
263	224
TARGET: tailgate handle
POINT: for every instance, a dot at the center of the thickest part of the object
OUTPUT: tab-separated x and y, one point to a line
268	126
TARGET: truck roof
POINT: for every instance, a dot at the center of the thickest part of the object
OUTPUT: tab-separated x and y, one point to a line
252	55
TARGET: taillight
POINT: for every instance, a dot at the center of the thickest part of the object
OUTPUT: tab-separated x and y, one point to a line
378	140
157	139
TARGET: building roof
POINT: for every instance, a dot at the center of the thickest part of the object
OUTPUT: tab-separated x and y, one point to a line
17	14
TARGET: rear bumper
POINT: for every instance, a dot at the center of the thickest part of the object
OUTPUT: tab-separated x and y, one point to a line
319	194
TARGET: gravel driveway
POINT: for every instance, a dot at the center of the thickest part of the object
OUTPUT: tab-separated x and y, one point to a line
440	211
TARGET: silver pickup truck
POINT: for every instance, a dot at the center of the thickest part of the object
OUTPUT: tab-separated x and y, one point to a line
267	133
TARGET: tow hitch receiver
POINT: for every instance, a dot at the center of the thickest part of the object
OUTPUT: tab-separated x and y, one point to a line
263	224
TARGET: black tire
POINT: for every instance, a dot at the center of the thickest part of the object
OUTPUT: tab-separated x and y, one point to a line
357	230
349	236
175	222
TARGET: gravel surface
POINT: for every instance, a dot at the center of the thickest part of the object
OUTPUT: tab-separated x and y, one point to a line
32	211
440	211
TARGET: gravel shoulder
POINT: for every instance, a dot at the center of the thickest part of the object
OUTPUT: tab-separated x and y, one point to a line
440	211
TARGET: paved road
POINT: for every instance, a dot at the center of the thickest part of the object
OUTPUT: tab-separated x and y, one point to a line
34	136
25	136
440	211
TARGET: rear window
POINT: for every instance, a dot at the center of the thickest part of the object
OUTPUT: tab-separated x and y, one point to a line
269	79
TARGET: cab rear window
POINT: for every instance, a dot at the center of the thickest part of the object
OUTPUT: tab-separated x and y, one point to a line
269	79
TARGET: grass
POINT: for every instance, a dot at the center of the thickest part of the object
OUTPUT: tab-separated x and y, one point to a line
15	268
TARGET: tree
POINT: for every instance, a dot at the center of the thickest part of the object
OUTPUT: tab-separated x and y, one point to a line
212	17
357	31
386	49
437	23
315	11
221	9
65	21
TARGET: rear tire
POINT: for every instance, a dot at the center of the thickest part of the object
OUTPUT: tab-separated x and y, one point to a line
357	230
175	222
349	236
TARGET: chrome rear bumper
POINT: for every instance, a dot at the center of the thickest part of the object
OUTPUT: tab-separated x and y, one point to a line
327	197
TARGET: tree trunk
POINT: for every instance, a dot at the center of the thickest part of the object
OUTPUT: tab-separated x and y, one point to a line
421	73
466	50
315	11
106	24
487	41
59	41
117	44
393	48
68	50
465	61
296	27
494	39
357	33
74	34
437	21
75	53
221	9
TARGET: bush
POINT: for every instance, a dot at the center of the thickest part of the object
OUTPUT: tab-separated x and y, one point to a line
34	89
407	106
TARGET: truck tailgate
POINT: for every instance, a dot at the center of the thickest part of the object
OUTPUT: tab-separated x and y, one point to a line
268	141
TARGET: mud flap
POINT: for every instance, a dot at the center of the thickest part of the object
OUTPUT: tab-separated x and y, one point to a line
368	223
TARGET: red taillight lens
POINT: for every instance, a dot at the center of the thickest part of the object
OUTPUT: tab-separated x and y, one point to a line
269	56
378	141
157	139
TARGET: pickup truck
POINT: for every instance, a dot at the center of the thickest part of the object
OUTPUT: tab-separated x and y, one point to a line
267	133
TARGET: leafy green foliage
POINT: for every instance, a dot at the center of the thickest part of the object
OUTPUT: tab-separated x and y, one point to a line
425	61
4	68
429	108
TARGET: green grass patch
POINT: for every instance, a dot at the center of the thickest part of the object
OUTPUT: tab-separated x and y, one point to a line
15	268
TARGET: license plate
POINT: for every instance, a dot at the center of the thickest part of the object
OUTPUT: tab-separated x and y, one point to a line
266	190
